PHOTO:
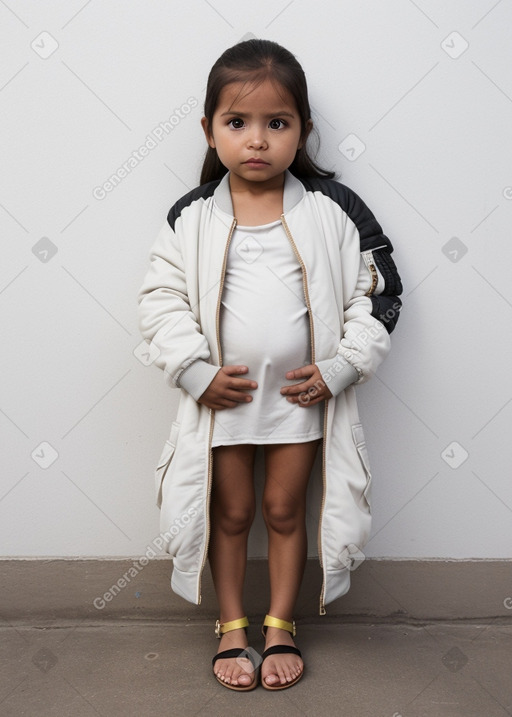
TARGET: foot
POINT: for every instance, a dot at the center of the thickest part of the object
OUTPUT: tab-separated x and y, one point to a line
280	669
238	671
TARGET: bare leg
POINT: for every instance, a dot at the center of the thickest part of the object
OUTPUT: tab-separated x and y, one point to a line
231	514
287	471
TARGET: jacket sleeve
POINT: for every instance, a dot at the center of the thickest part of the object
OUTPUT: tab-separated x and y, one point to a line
167	320
371	300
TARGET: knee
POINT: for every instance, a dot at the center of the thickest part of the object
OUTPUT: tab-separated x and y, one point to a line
234	519
282	516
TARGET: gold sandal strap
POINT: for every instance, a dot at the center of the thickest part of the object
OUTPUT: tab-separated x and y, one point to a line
270	621
222	627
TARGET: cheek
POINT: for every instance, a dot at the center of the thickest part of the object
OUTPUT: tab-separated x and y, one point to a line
217	135
229	143
293	148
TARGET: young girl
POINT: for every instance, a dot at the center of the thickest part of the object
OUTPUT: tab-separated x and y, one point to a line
271	293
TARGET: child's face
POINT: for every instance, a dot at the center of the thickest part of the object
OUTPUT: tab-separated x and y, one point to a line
260	124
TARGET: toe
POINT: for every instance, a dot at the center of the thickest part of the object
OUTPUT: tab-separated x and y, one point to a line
244	674
239	672
244	679
281	672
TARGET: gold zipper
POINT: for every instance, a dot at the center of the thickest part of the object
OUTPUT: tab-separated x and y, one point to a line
375	279
370	265
222	277
312	336
304	284
324	484
212	412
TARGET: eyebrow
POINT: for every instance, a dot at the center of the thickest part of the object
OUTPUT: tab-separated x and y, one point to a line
248	114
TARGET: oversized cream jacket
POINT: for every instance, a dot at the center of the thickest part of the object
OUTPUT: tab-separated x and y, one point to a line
351	290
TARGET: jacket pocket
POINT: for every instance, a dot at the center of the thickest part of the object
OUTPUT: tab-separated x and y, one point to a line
360	443
165	461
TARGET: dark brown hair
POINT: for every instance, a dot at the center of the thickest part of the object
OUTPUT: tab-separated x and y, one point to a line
254	61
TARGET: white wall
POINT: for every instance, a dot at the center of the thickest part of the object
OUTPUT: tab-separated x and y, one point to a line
436	127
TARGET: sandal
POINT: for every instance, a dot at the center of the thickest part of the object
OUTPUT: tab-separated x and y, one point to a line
246	652
270	621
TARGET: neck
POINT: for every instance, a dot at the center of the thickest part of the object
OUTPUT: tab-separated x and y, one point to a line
238	186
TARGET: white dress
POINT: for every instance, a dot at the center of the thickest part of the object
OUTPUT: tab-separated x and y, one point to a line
264	325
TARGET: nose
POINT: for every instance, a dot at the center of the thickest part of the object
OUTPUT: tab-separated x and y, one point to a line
257	139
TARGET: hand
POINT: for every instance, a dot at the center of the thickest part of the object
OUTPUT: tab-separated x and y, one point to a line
226	391
308	392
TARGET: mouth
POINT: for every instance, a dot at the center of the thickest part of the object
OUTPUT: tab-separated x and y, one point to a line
256	162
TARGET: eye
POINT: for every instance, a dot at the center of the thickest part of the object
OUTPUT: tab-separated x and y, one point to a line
236	123
277	124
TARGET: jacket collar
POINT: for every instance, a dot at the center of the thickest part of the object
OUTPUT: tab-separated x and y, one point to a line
293	192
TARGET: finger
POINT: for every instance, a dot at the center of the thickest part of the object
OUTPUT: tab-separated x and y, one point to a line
239	383
227	401
238	396
224	405
305	399
301	372
242	384
233	370
296	388
312	395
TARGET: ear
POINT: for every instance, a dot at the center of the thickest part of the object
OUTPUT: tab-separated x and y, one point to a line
207	133
303	139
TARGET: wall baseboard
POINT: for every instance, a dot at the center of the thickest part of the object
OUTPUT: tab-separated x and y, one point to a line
54	590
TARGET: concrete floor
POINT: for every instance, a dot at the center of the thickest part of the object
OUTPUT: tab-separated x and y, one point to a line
159	669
